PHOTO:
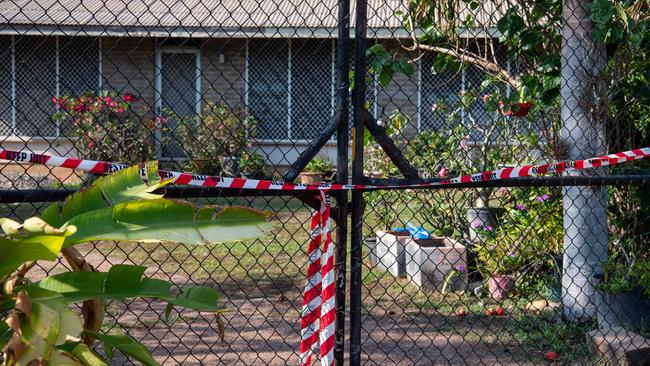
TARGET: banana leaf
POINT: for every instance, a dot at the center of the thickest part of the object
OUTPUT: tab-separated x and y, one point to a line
165	220
131	184
120	282
31	241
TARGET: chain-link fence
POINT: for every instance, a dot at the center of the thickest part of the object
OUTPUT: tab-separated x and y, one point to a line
519	271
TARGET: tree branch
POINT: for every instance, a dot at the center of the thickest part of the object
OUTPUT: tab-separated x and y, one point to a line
463	56
92	310
481	63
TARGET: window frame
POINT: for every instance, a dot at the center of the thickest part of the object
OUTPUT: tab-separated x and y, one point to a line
159	51
13	136
333	97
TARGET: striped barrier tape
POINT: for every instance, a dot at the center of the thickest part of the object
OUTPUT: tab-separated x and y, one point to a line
102	167
319	311
318	303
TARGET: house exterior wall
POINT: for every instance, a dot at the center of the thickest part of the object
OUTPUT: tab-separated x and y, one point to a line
223	77
130	65
402	92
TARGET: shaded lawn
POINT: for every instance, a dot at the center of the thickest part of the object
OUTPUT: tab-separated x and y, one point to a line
273	267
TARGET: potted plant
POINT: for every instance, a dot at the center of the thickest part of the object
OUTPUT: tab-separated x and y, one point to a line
214	141
316	170
252	165
525	245
624	292
502	281
623	288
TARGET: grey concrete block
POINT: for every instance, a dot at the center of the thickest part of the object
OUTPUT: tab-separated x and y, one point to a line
619	347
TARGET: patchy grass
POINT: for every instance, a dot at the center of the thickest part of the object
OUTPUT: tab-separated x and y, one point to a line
274	267
533	334
545	332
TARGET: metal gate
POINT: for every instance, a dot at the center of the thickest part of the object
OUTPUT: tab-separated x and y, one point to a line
374	93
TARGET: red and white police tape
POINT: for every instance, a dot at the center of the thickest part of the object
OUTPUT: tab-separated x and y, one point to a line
319	311
318	304
102	167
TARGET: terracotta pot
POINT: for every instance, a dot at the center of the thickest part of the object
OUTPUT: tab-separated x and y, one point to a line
521	110
312	177
204	166
500	286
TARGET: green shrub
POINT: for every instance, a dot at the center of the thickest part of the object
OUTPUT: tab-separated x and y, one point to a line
108	126
528	239
319	164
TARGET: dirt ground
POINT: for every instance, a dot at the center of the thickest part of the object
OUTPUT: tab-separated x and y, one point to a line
266	331
261	330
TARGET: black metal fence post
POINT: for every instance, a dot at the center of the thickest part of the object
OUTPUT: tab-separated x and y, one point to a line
358	100
342	142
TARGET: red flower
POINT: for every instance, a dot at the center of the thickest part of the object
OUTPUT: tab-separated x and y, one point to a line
443	172
78	107
551	356
112	104
108	100
60	103
129	98
91	144
521	109
120	110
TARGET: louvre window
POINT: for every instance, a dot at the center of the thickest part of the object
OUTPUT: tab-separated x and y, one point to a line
268	62
78	65
35	69
290	87
6	90
179	76
439	93
35	62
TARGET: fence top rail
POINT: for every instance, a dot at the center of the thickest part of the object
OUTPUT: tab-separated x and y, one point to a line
198	180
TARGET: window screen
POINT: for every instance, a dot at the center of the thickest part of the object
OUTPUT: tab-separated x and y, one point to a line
35	86
78	65
439	93
6	122
311	87
267	83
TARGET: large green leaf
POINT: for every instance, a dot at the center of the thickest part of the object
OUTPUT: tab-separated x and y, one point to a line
126	345
34	240
87	357
44	323
165	220
123	186
124	281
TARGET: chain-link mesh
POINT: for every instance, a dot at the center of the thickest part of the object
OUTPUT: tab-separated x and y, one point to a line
524	271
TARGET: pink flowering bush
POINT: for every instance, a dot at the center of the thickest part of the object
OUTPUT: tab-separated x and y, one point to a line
107	126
